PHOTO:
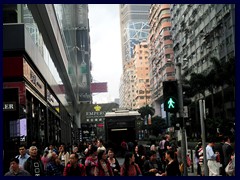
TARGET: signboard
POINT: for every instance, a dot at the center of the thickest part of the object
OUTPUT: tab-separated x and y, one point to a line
98	87
33	78
9	106
52	100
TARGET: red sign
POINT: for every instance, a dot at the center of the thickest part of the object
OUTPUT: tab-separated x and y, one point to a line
99	87
100	125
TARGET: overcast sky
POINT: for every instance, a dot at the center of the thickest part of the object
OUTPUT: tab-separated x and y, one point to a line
105	49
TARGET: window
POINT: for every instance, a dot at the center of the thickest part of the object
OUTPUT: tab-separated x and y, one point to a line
167	37
168	56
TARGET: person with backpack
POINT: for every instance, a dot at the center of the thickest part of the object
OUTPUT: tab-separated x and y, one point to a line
73	168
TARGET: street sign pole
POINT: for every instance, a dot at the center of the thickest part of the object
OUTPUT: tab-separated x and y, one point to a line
181	114
202	118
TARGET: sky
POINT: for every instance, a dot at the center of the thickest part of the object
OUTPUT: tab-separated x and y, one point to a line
106	54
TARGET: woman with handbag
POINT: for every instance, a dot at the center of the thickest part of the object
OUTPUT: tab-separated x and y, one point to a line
230	168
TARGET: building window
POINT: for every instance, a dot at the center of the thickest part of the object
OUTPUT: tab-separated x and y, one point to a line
168	56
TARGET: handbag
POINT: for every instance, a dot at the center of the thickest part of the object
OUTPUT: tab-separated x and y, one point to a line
181	168
229	169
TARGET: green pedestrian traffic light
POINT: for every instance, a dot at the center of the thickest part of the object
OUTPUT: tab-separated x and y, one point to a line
170	96
171	103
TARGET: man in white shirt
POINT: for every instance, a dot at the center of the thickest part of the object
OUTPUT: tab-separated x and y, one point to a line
213	166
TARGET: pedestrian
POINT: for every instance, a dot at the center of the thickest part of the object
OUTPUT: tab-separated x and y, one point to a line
100	145
34	164
167	145
129	167
91	161
54	166
153	165
103	166
230	168
201	160
227	151
161	149
63	155
45	159
212	164
140	156
114	164
130	146
15	169
74	168
197	147
172	167
179	157
23	156
124	147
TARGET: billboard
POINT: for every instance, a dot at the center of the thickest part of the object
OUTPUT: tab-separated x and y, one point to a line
98	87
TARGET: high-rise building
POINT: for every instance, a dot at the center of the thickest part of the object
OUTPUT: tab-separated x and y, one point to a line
137	84
141	90
134	29
161	57
201	32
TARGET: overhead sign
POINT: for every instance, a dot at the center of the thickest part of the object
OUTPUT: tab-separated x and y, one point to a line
98	87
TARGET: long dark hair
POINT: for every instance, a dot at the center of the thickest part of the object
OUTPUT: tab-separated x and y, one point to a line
126	163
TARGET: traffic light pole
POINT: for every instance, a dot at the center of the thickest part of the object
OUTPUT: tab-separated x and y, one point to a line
202	118
181	114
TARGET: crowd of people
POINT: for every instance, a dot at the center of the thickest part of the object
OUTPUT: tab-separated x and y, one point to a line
218	157
94	159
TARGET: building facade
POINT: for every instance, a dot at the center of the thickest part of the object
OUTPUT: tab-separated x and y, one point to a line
200	32
41	89
161	56
134	29
141	94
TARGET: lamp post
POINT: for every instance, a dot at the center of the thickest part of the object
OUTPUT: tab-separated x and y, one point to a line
181	114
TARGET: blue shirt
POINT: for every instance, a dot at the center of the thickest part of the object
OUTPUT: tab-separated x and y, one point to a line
22	159
210	154
54	169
